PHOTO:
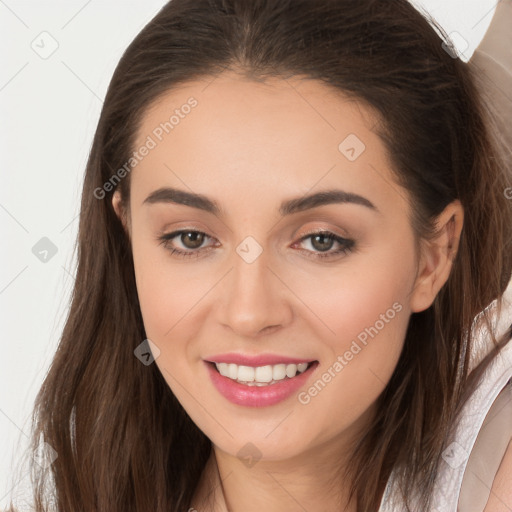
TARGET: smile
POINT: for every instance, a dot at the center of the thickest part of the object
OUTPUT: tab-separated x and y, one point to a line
256	386
260	375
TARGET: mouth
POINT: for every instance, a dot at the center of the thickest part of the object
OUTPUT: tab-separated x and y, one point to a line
267	375
252	386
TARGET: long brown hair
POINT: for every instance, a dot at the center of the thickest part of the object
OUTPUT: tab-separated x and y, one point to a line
123	440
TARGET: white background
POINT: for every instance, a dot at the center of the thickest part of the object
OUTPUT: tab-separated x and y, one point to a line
49	109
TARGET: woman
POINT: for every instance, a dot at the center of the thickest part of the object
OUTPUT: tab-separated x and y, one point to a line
289	195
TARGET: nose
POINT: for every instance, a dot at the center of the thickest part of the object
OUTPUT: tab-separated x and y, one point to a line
255	299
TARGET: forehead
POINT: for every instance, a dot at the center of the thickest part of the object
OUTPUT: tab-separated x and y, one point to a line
304	106
286	135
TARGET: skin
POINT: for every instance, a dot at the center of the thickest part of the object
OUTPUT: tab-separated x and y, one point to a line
500	497
250	146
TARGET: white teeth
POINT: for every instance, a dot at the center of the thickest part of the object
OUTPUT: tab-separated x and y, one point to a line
279	371
260	375
232	371
246	373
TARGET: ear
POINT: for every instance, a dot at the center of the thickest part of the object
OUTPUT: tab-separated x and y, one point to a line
121	210
436	257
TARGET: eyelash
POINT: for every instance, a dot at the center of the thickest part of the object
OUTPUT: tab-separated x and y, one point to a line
346	244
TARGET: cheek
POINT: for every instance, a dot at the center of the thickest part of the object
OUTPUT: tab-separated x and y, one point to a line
367	313
166	287
167	298
352	378
365	293
169	303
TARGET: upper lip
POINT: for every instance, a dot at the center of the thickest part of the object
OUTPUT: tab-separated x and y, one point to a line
259	360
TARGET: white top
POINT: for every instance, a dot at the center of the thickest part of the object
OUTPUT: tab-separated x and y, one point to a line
486	416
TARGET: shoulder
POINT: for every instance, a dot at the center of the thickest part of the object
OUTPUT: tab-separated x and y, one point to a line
497	39
492	60
488	474
500	499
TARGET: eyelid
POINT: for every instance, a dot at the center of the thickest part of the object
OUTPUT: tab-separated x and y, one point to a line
314	231
164	236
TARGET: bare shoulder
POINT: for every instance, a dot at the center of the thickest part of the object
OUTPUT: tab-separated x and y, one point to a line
500	499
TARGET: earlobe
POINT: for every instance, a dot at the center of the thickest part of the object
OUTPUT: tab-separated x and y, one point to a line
116	203
119	209
436	258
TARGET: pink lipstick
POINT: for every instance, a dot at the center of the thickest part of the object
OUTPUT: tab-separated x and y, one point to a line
258	396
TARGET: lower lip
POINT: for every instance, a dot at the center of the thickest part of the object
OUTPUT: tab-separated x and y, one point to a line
258	396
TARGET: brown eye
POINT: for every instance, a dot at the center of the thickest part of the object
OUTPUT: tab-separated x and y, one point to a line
322	242
192	239
185	243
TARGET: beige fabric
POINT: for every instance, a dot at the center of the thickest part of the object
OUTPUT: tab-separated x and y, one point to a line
487	453
492	64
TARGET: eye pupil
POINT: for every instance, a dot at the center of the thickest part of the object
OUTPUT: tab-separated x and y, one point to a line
197	239
328	241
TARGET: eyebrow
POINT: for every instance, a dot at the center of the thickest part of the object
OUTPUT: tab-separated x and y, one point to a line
291	206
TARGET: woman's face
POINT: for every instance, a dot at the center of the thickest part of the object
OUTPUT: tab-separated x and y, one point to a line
259	282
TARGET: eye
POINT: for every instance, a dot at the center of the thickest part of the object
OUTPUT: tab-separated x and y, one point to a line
189	238
323	241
